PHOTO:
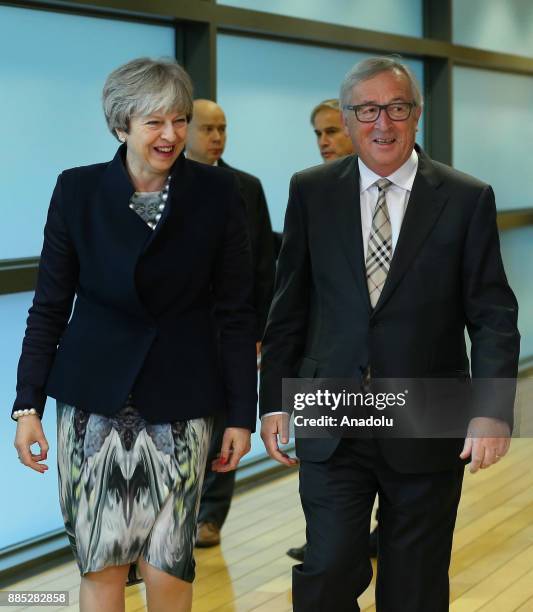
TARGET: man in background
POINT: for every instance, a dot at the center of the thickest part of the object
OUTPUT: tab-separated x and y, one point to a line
332	141
206	140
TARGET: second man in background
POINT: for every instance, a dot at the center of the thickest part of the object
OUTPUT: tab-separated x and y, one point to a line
332	141
206	140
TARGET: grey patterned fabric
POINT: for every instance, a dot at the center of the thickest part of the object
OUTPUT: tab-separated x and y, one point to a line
129	488
148	206
379	253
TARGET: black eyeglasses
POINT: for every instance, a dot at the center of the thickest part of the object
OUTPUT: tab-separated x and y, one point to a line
368	113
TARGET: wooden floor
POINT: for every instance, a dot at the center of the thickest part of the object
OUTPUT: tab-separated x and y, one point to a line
492	563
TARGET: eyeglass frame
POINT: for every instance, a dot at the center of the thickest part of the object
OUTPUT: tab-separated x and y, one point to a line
355	107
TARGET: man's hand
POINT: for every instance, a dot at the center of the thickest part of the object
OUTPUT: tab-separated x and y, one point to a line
487	441
30	431
235	444
273	427
258	354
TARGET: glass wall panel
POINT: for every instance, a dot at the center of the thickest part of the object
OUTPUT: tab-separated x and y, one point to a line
517	253
32	497
268	90
394	16
493	131
498	25
52	69
492	135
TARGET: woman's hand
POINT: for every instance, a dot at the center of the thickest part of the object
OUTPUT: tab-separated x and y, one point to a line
30	431
235	444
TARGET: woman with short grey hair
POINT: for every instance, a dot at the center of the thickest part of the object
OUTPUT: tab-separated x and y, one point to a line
154	249
143	86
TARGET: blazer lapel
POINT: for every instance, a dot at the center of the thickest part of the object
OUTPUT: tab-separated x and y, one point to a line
177	193
424	207
347	211
128	235
116	192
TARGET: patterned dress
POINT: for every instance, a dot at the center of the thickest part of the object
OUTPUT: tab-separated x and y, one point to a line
129	488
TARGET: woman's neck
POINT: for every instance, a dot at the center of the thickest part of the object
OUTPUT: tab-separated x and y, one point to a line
145	181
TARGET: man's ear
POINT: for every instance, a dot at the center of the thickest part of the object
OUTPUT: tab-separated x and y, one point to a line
418	113
345	125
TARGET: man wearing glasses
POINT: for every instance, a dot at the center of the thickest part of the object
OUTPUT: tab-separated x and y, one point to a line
333	143
387	257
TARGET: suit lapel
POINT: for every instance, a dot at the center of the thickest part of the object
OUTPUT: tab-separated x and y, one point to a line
242	188
424	207
347	211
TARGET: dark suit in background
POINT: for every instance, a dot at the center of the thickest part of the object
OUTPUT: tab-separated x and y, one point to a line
219	486
261	241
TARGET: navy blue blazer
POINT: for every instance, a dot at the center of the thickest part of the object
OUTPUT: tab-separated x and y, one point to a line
261	242
163	314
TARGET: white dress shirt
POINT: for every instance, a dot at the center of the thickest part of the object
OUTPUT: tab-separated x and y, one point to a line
397	199
215	163
397	196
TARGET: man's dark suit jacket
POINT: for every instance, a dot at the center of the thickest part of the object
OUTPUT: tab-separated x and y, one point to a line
446	274
261	242
163	314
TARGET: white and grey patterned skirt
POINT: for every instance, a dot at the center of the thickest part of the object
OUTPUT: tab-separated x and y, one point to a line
129	488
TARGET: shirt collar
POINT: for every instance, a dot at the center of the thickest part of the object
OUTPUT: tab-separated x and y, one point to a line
403	177
215	163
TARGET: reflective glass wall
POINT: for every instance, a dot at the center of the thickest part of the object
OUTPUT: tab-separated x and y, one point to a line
394	16
498	25
493	131
52	69
492	135
268	90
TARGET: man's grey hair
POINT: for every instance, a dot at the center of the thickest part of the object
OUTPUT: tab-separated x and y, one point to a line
331	103
144	86
369	68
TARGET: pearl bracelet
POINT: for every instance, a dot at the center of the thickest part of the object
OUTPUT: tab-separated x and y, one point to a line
18	413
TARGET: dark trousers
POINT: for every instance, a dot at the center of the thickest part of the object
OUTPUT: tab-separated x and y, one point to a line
417	515
218	487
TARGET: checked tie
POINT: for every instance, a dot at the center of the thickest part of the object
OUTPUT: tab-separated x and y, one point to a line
379	252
